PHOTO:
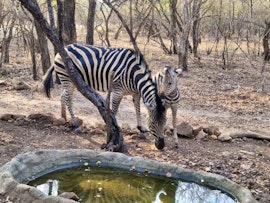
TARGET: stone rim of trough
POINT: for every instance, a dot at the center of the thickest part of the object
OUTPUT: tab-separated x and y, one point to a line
25	167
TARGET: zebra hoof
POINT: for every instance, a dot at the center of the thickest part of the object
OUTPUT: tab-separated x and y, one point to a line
78	130
142	129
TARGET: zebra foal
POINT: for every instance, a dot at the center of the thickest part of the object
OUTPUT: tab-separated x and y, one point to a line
170	94
123	70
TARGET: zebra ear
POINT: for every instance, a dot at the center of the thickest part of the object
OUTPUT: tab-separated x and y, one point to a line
149	106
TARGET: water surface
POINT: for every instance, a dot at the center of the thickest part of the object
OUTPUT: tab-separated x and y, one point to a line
113	185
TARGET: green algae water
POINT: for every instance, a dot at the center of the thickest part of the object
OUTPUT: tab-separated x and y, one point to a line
113	185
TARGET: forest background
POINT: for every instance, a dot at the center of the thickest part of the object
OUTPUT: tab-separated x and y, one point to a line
223	46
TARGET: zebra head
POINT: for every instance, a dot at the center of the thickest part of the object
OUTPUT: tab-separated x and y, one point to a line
171	75
156	121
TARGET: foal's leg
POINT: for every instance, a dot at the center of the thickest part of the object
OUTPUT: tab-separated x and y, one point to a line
136	102
174	122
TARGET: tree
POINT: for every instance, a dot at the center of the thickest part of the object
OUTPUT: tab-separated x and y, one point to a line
184	43
66	21
266	38
43	48
173	10
69	28
115	141
91	22
7	39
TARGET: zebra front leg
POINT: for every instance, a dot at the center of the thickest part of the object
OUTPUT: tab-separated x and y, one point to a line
174	122
136	102
66	99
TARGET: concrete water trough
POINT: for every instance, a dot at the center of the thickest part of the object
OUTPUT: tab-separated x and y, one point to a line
23	168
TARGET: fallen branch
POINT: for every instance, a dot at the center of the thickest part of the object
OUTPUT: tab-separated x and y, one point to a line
250	134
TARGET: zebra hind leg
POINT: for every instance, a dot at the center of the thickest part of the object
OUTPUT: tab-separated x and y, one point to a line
66	99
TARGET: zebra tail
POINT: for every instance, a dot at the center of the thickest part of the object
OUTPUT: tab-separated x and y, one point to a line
47	82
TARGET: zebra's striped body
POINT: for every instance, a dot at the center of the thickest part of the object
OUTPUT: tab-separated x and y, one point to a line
119	68
170	94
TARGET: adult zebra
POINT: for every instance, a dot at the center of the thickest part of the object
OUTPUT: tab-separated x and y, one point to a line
167	83
129	74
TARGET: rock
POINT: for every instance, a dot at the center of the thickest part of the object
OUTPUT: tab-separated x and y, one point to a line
100	126
22	86
126	127
213	137
185	129
58	122
45	118
10	117
226	153
69	195
212	130
201	135
246	165
7	117
79	121
3	82
97	131
196	131
224	137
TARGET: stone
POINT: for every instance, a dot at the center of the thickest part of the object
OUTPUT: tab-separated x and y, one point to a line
22	87
45	118
97	131
79	121
196	131
224	137
212	130
126	127
101	126
59	121
185	129
69	195
3	82
201	135
7	117
213	137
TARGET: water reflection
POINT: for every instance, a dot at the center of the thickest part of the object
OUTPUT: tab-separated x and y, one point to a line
49	188
158	200
115	185
191	192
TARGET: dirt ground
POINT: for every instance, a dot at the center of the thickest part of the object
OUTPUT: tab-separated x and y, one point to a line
211	96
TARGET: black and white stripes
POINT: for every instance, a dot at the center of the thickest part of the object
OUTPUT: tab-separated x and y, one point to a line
167	83
128	72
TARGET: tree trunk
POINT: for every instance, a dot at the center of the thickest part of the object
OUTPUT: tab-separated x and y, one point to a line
115	142
173	10
91	22
195	27
266	37
184	43
51	14
60	14
43	47
69	28
32	48
6	41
